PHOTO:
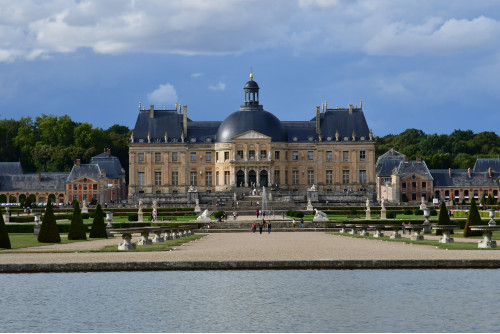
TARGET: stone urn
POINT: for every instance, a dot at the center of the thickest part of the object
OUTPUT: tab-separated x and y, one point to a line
36	229
426	226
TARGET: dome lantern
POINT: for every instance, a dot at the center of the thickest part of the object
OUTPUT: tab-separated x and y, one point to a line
251	92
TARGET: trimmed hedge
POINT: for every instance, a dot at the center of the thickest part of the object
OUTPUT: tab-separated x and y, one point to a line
296	214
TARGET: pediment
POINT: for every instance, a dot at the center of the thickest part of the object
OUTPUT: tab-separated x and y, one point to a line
251	135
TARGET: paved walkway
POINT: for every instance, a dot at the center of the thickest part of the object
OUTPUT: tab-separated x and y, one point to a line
277	246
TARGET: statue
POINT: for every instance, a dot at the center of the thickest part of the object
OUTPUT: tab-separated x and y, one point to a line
383	206
422	204
367	204
85	209
155	211
140	205
191	188
205	216
320	214
313	188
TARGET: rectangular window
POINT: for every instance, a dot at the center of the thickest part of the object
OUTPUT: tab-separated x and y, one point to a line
277	155
175	178
424	184
251	155
157	157
414	184
85	197
295	155
277	177
157	178
192	156
362	176
193	178
208	178
141	157
94	186
239	153
226	178
345	155
208	156
329	155
140	178
216	156
84	187
75	187
226	156
345	176
413	196
329	176
174	156
263	154
362	155
295	177
403	185
310	155
310	177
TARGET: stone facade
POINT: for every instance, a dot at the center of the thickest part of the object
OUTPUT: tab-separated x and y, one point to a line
168	152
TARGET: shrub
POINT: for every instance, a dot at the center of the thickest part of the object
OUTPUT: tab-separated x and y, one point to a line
85	215
133	217
295	214
4	234
77	229
98	227
418	212
22	219
49	231
391	214
407	212
473	218
218	214
353	212
434	212
444	217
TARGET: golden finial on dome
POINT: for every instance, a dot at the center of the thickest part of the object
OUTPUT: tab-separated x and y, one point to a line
251	76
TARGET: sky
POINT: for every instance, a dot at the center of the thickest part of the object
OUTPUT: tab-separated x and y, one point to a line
426	64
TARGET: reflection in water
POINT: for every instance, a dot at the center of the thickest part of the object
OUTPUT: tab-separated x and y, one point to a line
251	301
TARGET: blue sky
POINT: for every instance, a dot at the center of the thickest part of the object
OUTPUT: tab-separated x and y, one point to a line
431	65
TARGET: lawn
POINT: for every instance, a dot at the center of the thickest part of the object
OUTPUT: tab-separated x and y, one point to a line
22	240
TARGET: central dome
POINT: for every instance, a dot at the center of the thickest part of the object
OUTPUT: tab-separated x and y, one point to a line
258	120
251	116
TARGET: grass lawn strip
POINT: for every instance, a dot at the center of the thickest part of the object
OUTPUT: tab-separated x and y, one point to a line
436	243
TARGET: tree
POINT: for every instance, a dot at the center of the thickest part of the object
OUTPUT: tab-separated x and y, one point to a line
98	227
4	234
49	231
77	228
444	217
472	219
490	200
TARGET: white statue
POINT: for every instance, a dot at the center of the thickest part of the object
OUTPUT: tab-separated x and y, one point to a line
313	188
383	206
205	215
269	155
367	203
320	214
191	188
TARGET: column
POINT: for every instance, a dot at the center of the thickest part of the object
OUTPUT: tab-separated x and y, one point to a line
257	181
232	176
246	177
269	177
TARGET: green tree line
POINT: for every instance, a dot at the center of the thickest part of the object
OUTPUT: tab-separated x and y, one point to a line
50	143
458	150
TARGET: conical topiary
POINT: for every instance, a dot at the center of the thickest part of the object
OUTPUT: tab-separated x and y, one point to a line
49	231
77	229
98	227
444	218
4	234
473	218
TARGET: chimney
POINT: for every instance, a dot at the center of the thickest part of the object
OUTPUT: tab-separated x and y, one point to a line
184	120
108	152
419	159
77	162
360	104
39	177
468	171
449	172
152	111
350	108
318	128
489	171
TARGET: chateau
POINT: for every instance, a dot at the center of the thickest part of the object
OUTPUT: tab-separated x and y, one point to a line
171	154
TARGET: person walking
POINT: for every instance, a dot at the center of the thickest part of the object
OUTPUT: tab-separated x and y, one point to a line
283	214
404	228
301	222
269	228
254	227
261	225
257	213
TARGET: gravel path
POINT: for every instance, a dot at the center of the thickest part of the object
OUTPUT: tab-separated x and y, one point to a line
250	246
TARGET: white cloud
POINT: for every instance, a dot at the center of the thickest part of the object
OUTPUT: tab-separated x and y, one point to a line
196	75
30	29
218	86
164	94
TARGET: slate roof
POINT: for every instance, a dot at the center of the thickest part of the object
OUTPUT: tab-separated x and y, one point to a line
460	178
110	164
387	162
90	171
482	165
414	167
251	117
10	168
30	182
